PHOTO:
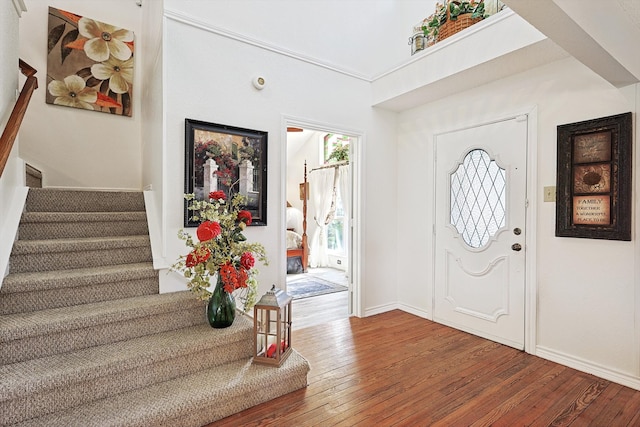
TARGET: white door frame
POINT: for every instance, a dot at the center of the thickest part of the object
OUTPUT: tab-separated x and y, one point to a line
355	222
531	289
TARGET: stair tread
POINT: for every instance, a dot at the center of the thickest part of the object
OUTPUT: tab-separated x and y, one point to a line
22	247
43	217
24	325
240	384
47	373
37	281
63	200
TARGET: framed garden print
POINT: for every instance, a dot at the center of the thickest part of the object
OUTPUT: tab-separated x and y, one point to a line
229	159
594	179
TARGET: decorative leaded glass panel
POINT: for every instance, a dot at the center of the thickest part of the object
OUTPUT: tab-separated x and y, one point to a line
478	193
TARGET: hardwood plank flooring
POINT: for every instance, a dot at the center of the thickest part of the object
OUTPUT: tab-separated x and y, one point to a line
323	308
396	369
313	311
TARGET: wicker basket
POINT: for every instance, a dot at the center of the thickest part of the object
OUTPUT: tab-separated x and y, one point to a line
450	27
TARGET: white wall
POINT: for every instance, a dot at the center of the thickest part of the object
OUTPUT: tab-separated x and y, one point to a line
72	147
586	289
9	66
152	94
152	111
208	77
12	189
376	31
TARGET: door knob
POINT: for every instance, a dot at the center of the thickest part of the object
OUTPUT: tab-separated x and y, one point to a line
516	247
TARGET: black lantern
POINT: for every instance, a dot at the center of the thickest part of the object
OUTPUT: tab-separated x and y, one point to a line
272	328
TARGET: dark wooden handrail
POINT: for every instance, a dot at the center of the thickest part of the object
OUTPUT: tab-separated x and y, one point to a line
15	119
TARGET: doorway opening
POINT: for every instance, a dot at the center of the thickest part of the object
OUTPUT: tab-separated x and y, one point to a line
319	238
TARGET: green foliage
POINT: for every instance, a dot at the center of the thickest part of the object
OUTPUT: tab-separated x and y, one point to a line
340	153
456	8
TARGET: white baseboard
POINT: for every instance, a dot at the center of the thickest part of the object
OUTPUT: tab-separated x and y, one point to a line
171	281
160	263
395	306
20	7
588	367
415	311
9	226
380	309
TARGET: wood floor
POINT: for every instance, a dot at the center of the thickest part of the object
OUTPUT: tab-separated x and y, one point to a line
396	369
320	309
313	311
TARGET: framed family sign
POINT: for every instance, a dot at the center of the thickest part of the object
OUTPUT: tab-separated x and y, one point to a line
594	179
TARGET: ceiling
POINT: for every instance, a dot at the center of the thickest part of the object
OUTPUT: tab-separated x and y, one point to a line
296	140
632	8
602	36
367	39
362	38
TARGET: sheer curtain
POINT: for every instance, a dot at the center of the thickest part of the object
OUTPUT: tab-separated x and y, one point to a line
345	194
321	187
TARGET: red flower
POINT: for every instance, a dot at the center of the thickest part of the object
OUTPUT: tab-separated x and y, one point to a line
247	260
208	230
197	256
229	277
217	195
243	276
191	260
245	216
215	228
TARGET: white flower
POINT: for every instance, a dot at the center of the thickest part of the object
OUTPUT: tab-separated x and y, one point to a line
73	92
105	40
119	73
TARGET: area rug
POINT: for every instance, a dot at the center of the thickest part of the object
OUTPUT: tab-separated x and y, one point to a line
311	287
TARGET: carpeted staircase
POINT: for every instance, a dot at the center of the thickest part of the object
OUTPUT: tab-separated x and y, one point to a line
87	340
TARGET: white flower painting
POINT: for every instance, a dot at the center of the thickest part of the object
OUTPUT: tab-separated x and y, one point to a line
89	64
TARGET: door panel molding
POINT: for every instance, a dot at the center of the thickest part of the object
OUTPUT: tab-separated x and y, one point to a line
497	267
456	235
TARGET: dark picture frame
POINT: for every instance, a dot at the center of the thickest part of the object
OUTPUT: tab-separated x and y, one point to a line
594	179
226	158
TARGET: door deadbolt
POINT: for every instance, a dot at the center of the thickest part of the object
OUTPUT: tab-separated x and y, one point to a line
517	231
516	247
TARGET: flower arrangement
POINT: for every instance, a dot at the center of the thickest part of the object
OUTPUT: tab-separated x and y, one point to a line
221	252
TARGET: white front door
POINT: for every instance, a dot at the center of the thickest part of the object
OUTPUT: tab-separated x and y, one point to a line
480	181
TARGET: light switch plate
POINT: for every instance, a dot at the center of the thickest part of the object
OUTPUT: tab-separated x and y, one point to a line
550	194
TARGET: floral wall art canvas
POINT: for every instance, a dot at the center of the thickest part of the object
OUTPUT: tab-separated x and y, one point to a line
89	64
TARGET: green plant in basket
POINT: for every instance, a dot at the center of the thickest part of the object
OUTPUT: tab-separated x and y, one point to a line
451	10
